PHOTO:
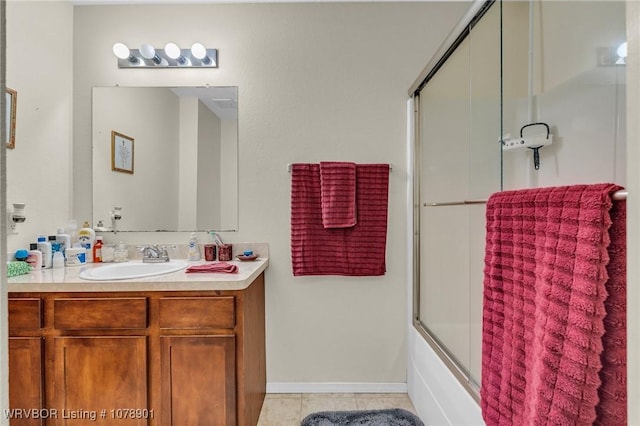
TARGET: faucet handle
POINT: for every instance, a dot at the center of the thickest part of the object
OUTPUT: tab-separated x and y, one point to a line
150	251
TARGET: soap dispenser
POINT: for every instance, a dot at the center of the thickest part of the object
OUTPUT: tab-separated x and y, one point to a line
194	249
87	238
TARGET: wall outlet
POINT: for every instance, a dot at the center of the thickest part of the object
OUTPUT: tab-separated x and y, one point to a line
12	228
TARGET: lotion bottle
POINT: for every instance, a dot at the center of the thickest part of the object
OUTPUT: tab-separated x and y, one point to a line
47	255
58	260
35	257
194	250
64	239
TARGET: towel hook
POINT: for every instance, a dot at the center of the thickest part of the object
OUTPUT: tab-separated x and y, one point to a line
536	149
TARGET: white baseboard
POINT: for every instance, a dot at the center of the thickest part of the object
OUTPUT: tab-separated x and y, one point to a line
324	387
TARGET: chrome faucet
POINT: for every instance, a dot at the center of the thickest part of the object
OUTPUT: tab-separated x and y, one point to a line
154	254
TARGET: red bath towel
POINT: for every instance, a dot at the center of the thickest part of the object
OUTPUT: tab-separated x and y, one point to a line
355	251
612	409
544	304
338	194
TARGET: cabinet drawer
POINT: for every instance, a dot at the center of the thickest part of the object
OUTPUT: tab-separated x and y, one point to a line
197	312
100	313
25	314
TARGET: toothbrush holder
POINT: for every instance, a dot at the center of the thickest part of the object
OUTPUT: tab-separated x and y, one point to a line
225	252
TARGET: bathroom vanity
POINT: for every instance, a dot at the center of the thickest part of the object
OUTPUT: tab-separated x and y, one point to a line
176	349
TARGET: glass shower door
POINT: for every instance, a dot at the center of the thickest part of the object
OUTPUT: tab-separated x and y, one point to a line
459	133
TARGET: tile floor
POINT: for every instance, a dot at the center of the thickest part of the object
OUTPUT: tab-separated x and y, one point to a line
288	409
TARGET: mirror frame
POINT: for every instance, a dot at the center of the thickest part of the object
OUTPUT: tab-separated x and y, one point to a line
11	100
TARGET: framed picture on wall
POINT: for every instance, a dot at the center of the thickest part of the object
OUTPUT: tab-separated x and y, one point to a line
121	152
11	101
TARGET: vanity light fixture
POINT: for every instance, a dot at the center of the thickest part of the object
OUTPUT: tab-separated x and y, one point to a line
172	56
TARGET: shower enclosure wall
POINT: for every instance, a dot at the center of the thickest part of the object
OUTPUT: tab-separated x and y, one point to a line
513	63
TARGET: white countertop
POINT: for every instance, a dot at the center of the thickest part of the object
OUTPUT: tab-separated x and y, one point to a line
67	280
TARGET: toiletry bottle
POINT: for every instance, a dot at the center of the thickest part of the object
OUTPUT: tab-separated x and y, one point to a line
45	247
97	250
120	254
87	238
58	260
108	252
35	257
63	239
194	249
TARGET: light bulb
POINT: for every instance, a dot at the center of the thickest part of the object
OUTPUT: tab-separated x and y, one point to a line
198	51
172	50
121	50
147	51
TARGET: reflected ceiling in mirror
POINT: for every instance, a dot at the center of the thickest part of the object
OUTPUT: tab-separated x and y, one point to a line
181	144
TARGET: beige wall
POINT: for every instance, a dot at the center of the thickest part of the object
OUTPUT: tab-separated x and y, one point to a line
38	171
39	67
316	82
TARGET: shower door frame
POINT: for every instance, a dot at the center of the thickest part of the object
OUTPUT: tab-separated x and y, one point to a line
453	41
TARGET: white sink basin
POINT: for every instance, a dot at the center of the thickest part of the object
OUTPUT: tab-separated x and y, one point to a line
131	270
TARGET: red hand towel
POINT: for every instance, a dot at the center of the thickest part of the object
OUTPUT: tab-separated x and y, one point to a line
338	194
214	267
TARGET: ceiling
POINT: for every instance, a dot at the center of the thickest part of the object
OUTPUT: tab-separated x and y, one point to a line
113	2
223	101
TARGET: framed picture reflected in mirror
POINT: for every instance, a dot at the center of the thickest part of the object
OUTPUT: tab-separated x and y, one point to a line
121	152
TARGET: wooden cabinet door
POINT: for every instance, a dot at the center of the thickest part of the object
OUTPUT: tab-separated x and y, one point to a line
198	381
101	377
26	381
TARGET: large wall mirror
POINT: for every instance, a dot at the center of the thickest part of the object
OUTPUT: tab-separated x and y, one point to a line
180	145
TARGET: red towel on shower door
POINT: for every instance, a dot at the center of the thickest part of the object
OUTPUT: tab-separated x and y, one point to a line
544	305
612	408
355	251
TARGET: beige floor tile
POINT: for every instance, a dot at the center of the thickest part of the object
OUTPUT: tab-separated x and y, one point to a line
384	401
312	403
283	395
289	409
281	410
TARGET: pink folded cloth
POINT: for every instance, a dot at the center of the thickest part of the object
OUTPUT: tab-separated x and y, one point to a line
338	194
214	267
